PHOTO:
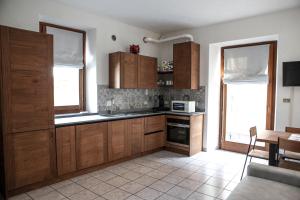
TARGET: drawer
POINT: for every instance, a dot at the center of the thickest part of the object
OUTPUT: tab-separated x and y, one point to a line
155	123
154	140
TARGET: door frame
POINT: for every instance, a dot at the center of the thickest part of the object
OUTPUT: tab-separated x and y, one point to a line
234	146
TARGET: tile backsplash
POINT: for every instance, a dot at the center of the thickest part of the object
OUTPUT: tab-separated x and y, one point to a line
122	100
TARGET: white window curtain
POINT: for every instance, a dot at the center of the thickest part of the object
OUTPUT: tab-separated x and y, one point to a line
68	48
246	64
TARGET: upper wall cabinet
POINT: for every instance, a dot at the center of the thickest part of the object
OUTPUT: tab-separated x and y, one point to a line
128	70
147	72
186	57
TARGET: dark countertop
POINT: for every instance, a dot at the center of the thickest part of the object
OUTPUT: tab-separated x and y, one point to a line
92	118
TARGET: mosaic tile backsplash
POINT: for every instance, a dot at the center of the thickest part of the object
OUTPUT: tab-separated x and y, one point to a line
123	100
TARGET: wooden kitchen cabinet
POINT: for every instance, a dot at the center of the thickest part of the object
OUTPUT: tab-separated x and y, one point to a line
155	123
123	70
26	69
135	136
147	72
117	140
128	70
91	145
65	150
31	158
154	140
186	59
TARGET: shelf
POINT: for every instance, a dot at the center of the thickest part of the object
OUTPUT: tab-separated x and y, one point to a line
165	72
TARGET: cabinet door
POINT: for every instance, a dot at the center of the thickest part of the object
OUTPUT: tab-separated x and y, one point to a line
31	159
91	144
117	140
154	141
27	61
65	150
129	70
135	135
147	72
186	65
155	123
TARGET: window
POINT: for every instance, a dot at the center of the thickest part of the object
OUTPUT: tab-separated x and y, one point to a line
69	67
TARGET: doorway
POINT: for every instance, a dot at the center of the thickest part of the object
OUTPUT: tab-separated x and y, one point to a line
248	79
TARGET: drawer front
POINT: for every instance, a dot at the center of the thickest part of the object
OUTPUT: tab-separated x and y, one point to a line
154	141
155	123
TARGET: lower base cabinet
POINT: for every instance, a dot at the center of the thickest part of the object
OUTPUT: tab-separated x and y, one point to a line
154	140
117	140
135	136
32	158
65	150
91	145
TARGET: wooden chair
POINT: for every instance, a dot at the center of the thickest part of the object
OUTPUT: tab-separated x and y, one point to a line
288	154
292	147
252	152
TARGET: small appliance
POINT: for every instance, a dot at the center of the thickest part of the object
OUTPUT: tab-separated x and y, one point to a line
183	106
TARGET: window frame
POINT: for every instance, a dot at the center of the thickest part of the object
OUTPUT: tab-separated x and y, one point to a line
82	72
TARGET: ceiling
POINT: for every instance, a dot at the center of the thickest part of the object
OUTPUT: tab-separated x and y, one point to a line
163	16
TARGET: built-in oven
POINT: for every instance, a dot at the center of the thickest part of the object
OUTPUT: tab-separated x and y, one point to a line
178	131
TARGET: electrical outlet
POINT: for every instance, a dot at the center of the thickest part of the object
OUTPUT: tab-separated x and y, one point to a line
286	100
145	102
146	92
108	103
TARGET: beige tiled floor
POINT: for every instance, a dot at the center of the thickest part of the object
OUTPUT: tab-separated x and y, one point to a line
163	176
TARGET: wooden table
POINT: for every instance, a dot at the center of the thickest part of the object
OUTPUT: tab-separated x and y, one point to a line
271	137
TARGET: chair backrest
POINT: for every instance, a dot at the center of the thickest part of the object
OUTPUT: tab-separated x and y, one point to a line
253	131
292	130
289	145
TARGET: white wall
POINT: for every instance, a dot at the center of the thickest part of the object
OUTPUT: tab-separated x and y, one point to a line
285	25
27	14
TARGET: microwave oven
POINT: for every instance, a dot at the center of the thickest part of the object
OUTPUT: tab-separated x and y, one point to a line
183	106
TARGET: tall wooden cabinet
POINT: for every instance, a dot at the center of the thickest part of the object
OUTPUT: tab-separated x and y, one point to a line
186	60
128	71
27	119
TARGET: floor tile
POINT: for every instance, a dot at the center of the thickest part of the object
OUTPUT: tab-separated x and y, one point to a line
190	184
131	165
209	190
104	176
167	197
145	180
157	174
117	170
173	179
231	185
20	197
70	189
40	192
85	194
182	173
161	186
179	192
199	177
143	169
101	188
78	178
132	187
131	175
133	197
116	194
217	182
117	181
89	182
149	194
224	194
50	196
199	196
61	184
167	168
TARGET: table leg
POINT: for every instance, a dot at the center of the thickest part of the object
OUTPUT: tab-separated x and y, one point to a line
272	154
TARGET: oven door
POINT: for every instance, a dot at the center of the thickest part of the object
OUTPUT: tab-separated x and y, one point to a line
179	107
178	133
